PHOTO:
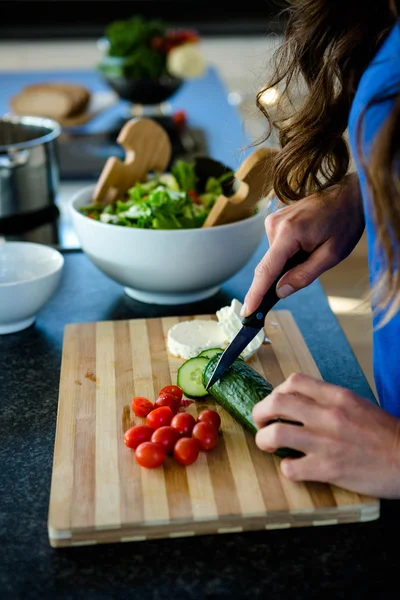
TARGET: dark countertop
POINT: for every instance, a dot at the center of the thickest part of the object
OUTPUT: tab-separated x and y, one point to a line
335	561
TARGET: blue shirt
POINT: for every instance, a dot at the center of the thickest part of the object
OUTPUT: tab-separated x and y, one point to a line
382	74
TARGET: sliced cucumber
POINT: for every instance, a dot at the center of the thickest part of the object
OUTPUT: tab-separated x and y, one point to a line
210	352
238	390
190	375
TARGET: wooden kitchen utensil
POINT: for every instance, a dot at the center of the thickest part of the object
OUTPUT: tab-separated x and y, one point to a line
100	494
147	148
255	181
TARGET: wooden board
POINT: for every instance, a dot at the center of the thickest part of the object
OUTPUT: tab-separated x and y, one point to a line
99	494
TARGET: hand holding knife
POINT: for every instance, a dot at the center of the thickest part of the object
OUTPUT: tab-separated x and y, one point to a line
252	324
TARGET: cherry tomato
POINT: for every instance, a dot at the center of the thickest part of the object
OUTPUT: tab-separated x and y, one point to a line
184	403
179	118
134	436
167	399
183	423
141	406
150	455
165	437
194	196
206	435
210	416
159	417
172	389
186	451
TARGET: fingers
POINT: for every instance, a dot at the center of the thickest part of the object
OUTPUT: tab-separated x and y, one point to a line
266	272
321	260
316	389
299	277
283	435
307	468
286	406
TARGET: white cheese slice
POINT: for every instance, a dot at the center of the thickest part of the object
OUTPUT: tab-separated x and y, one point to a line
188	338
231	322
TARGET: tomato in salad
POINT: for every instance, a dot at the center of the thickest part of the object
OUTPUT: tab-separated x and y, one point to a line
194	196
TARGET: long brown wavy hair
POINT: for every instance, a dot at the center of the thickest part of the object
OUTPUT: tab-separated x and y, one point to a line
327	46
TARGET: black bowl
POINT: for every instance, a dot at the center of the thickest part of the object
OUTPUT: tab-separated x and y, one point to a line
144	91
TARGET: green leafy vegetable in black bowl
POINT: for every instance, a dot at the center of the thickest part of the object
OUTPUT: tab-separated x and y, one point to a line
137	49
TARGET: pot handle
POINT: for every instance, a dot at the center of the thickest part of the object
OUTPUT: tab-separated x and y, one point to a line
16	159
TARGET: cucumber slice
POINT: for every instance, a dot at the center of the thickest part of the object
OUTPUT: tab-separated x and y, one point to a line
189	377
210	352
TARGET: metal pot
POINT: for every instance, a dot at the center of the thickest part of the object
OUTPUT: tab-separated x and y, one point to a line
29	173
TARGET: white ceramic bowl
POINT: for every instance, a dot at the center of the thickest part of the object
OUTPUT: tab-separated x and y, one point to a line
29	276
167	266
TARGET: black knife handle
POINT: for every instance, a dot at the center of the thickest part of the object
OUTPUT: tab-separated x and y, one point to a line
257	318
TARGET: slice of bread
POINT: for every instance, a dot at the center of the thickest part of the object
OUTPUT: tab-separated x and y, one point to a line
54	100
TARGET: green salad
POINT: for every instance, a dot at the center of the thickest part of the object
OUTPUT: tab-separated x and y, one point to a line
169	200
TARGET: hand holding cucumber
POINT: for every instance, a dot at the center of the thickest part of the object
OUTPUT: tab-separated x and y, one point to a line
347	441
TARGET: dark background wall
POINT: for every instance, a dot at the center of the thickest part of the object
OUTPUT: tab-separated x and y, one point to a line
29	19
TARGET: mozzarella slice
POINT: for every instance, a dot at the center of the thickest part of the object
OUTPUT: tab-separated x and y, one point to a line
231	322
188	338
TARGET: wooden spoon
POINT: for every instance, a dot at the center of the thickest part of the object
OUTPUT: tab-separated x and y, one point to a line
255	181
148	148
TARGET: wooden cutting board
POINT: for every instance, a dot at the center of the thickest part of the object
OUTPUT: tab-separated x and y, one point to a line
99	494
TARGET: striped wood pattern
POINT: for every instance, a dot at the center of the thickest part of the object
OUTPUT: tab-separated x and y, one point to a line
99	494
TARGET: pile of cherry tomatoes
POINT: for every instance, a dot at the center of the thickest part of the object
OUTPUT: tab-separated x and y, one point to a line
170	431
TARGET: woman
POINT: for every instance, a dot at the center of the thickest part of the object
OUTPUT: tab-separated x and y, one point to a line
348	54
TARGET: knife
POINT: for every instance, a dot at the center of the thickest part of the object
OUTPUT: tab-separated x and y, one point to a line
252	324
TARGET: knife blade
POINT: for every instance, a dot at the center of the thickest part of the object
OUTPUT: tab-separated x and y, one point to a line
252	324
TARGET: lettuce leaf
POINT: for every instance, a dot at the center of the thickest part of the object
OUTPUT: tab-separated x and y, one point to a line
163	201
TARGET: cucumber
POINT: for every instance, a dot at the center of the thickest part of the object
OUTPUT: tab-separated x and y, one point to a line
189	377
209	353
238	390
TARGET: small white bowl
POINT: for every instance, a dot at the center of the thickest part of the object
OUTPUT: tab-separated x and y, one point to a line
167	266
29	276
